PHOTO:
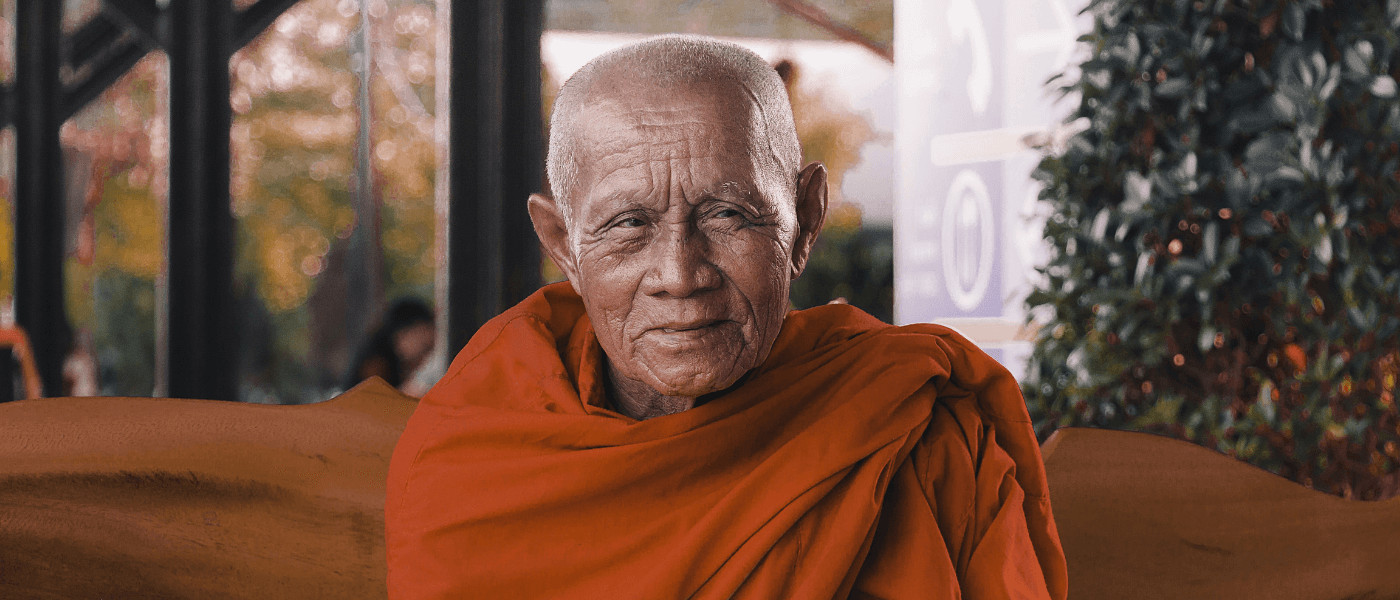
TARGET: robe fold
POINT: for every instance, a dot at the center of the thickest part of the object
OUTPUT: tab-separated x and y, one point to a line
860	460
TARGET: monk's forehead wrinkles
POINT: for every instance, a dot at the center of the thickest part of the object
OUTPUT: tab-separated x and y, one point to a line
620	160
690	133
662	115
658	147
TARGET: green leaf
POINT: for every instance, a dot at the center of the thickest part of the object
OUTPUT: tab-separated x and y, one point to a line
1283	107
1175	87
1137	190
1100	227
1256	227
1206	339
1143	268
1358	57
1210	242
1265	400
1266	154
1383	87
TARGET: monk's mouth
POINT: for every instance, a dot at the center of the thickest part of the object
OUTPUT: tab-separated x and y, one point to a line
685	327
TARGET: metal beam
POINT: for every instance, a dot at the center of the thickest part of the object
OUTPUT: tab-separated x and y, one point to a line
524	146
91	40
101	74
256	18
7	105
105	48
496	153
200	354
39	205
144	17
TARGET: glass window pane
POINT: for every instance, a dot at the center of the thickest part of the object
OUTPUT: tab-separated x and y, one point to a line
7	226
7	169
332	188
116	159
7	41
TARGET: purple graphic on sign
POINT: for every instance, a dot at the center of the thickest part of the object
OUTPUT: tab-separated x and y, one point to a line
967	221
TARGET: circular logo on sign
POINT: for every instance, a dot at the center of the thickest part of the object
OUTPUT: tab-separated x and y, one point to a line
969	240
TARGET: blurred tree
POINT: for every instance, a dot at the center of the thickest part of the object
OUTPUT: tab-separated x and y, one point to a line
1225	262
848	261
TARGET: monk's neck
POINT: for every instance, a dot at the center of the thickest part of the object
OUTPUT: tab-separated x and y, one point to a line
639	401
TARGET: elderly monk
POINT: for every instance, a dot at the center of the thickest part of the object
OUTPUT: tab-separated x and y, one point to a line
662	426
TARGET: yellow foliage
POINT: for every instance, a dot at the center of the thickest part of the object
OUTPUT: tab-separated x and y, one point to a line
78	279
306	130
130	230
843	216
7	249
829	132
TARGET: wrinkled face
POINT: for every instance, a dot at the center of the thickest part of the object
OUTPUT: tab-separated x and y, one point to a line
682	237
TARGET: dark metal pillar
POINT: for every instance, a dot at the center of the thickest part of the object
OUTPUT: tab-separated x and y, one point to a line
39	205
201	348
496	157
524	146
7	105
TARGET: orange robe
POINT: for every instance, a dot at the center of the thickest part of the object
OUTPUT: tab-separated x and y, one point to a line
860	460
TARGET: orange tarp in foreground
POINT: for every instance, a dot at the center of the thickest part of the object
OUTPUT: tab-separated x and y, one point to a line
859	460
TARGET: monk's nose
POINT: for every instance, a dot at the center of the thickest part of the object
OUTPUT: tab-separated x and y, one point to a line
682	266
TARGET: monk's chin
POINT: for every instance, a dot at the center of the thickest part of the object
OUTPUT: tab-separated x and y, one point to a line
690	387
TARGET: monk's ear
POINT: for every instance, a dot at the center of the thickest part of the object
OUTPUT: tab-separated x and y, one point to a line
548	219
811	213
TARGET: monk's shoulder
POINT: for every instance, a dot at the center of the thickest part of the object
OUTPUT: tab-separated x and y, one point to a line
955	431
946	456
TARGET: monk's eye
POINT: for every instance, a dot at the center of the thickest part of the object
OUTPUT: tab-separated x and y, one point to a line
728	214
629	222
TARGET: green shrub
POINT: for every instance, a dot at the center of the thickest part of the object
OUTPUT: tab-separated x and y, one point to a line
1225	236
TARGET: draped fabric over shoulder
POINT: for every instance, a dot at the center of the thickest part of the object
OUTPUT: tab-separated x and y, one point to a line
860	460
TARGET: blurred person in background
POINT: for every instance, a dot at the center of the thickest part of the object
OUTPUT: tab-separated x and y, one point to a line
398	347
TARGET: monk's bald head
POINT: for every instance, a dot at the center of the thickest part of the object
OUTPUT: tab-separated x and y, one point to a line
650	71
